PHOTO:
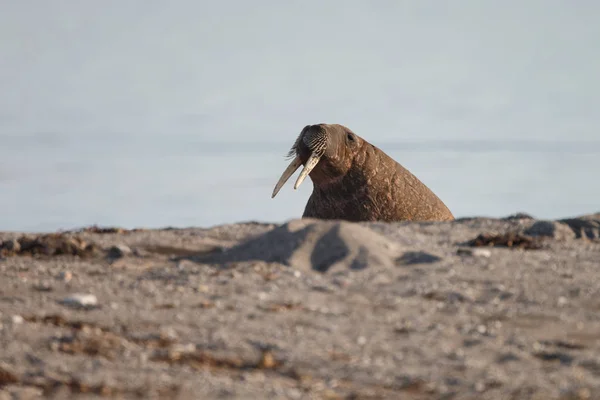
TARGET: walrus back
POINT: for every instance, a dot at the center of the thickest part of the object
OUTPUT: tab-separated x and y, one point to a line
377	188
408	198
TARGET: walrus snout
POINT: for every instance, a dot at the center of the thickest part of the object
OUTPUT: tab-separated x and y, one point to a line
314	140
308	150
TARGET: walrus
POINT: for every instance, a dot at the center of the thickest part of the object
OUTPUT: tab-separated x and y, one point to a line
354	180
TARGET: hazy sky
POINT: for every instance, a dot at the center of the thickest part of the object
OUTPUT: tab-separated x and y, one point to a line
263	69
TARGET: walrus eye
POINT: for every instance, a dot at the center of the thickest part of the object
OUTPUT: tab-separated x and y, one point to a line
350	137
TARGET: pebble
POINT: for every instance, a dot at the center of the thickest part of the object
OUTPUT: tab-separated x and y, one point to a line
379	279
584	393
341	282
43	286
11	245
65	276
562	301
140	252
168	332
119	250
178	349
184	264
17	319
553	229
203	288
484	253
262	295
80	300
418	257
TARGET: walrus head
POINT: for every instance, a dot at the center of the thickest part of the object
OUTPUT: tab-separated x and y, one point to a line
326	151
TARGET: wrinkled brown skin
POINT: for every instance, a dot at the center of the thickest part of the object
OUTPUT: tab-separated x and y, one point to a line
356	181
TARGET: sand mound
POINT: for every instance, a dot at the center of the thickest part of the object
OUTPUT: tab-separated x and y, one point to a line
587	226
583	227
316	244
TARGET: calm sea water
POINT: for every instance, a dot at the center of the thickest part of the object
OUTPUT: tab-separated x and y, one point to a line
157	181
157	114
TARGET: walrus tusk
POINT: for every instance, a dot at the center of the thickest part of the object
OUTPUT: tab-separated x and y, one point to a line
310	164
289	171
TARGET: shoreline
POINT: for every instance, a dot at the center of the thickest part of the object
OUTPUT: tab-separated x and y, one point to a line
81	227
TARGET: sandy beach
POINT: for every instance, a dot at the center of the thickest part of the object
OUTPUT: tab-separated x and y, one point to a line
471	309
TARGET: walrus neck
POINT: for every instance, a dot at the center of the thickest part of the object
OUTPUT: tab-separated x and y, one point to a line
331	183
342	188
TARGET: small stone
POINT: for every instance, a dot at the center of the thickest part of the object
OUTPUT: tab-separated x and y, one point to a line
562	301
80	300
553	229
181	349
464	252
43	286
140	252
169	333
17	319
480	386
417	257
476	252
341	282
262	295
65	276
267	360
584	393
361	340
203	288
119	250
184	265
297	274
12	245
485	253
379	279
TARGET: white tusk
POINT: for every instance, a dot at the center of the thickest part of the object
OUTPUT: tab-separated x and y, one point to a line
310	164
289	171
